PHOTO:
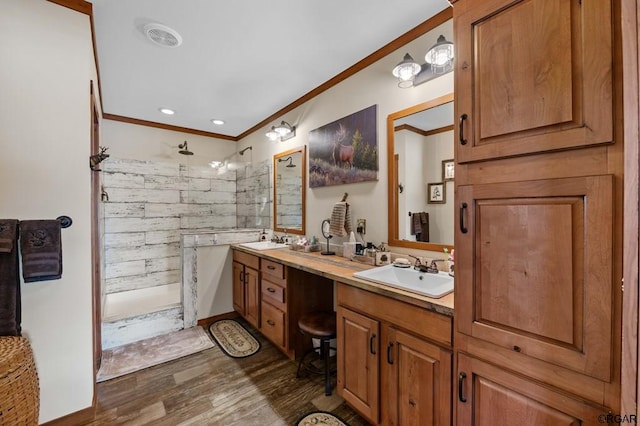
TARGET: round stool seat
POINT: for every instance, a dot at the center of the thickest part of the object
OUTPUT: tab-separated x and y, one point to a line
321	325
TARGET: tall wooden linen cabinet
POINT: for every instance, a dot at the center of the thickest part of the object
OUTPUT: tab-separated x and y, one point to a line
538	237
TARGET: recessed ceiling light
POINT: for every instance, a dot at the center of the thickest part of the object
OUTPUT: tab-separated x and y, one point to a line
167	111
217	121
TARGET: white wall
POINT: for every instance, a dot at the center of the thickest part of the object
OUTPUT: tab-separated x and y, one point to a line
45	130
144	143
373	85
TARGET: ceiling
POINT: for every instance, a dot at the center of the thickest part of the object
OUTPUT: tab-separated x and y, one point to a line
240	61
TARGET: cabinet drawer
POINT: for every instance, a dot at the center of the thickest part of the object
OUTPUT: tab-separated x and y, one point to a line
274	293
247	259
273	269
273	324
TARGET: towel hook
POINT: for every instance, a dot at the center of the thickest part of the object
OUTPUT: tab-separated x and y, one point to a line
65	221
344	197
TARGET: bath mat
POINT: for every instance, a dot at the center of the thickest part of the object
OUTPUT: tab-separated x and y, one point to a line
321	418
146	353
233	338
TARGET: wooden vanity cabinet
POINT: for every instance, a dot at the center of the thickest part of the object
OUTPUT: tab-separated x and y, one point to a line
494	396
273	289
538	202
394	359
246	291
532	76
287	294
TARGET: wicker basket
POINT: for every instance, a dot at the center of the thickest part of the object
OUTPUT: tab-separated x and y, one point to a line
19	389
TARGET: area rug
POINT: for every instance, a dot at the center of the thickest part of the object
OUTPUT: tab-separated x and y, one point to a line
233	338
146	353
321	418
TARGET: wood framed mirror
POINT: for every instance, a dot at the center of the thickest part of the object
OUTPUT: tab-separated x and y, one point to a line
289	195
420	147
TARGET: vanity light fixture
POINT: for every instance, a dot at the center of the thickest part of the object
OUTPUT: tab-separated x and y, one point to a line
217	121
282	131
439	60
440	56
406	71
167	111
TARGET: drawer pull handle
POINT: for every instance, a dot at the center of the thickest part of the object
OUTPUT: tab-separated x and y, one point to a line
463	141
389	352
270	322
271	267
242	276
372	349
271	289
461	378
463	210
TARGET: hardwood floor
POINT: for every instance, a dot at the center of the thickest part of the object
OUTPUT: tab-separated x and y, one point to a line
210	388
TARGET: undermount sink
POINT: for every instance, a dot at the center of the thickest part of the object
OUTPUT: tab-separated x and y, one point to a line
424	283
263	245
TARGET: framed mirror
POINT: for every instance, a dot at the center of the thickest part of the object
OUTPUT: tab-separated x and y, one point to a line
420	143
289	183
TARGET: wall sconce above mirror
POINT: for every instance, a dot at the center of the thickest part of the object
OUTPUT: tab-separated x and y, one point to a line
283	131
438	61
289	195
420	143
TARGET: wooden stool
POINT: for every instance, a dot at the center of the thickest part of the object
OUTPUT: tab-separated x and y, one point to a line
321	326
19	386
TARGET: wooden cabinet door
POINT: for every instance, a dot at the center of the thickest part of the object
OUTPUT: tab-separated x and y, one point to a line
238	288
532	76
358	368
252	296
534	269
419	381
491	396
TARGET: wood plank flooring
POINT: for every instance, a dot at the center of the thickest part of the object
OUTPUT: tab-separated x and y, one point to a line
210	388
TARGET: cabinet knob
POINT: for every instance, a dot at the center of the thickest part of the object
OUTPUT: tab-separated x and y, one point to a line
270	322
516	348
271	289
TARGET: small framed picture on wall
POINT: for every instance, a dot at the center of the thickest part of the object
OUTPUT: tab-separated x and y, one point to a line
448	170
436	193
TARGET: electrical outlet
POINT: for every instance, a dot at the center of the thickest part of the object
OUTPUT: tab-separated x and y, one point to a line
361	227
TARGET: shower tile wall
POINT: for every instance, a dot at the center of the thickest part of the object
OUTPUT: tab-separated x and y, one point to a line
150	203
254	195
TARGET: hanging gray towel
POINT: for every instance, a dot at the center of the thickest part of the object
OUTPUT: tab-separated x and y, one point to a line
10	303
41	249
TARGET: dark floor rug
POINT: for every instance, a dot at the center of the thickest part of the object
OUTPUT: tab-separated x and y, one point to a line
233	338
321	418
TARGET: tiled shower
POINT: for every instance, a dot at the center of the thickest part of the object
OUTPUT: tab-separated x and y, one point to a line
147	205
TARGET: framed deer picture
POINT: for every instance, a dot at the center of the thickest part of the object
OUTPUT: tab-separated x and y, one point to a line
345	151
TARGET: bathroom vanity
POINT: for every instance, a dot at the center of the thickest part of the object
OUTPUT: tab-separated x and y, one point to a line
394	347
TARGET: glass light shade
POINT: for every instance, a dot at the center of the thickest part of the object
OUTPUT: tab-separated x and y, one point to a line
272	134
441	54
407	69
215	164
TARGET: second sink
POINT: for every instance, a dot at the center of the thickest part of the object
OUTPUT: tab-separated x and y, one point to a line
424	283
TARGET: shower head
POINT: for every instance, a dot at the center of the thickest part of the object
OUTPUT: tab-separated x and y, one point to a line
289	159
243	151
184	149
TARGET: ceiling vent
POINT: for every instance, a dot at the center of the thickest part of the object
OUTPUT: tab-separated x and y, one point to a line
162	35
